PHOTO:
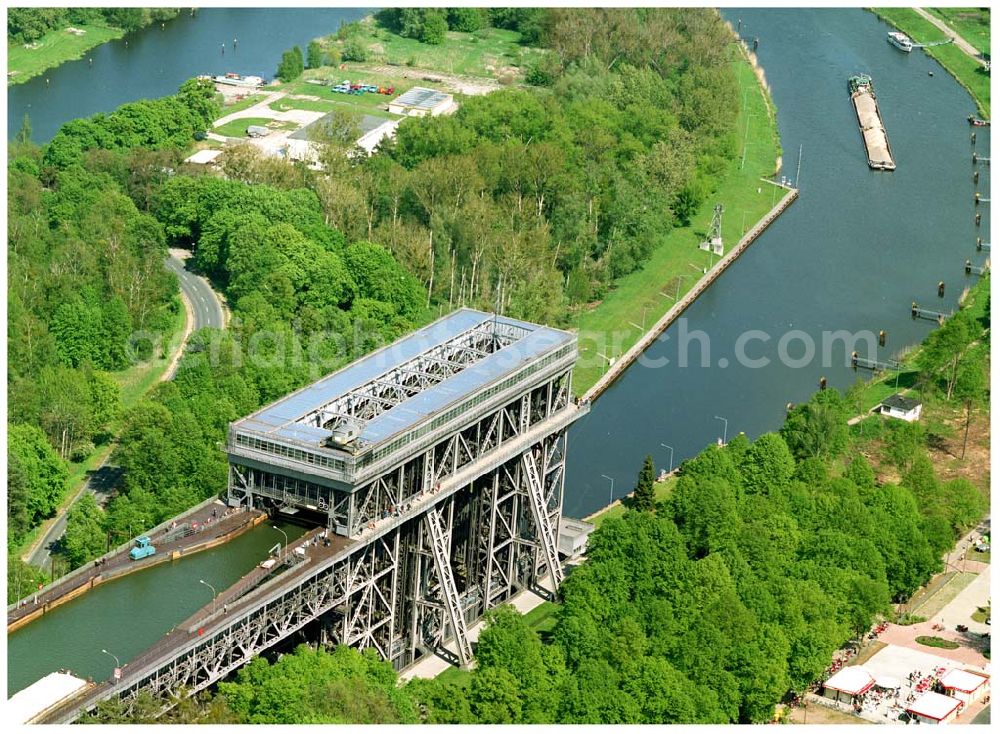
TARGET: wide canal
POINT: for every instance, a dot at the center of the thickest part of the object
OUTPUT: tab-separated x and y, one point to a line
155	61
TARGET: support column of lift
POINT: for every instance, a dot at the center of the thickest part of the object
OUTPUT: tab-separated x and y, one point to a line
546	533
442	552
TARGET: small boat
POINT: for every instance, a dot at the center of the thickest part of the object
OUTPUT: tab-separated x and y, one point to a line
901	41
976	122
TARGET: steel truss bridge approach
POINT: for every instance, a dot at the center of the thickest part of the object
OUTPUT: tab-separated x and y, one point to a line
432	470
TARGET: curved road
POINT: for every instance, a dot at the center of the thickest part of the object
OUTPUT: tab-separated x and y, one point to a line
201	302
208	309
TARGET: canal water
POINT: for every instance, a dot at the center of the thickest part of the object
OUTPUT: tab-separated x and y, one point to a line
852	253
156	61
128	615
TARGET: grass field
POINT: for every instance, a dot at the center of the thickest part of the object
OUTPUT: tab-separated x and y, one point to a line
972	24
53	49
238	128
638	298
945	594
368	102
960	65
487	52
242	104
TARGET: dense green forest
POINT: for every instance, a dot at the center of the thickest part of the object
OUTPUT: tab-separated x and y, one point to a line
29	24
85	277
535	199
708	607
91	215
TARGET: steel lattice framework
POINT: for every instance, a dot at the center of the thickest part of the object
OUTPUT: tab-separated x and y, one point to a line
399	384
446	532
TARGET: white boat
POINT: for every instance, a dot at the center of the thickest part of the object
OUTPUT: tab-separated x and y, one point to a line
239	81
901	41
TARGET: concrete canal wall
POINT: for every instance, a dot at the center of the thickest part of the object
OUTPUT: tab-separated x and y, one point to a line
87	577
626	360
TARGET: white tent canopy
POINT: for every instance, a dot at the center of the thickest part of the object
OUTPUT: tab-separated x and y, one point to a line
934	706
887	681
963	680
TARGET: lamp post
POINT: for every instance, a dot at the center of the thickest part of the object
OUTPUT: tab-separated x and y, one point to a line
118	665
214	592
725	428
275	527
611	497
671	456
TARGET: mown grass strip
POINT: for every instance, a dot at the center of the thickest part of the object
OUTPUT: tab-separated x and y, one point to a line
54	48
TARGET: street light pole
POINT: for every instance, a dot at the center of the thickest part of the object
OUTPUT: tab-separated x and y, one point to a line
214	592
611	497
671	456
118	665
725	428
275	527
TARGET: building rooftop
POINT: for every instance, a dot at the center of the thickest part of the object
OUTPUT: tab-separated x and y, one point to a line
852	680
898	402
963	680
204	156
41	695
934	706
421	98
408	381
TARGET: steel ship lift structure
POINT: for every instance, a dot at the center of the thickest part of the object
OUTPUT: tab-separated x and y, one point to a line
436	464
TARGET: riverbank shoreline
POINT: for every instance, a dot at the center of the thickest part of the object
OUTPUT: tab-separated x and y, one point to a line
618	322
965	70
54	49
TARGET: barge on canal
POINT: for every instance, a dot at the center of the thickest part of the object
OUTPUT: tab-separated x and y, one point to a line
870	121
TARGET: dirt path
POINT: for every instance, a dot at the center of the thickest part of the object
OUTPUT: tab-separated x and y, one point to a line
967	47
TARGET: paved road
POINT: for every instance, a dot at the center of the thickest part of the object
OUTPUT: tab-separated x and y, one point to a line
100	483
948	31
207	308
208	311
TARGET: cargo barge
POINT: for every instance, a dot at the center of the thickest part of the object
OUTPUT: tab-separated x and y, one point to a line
870	121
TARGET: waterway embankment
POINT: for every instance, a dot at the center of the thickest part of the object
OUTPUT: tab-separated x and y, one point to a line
678	308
